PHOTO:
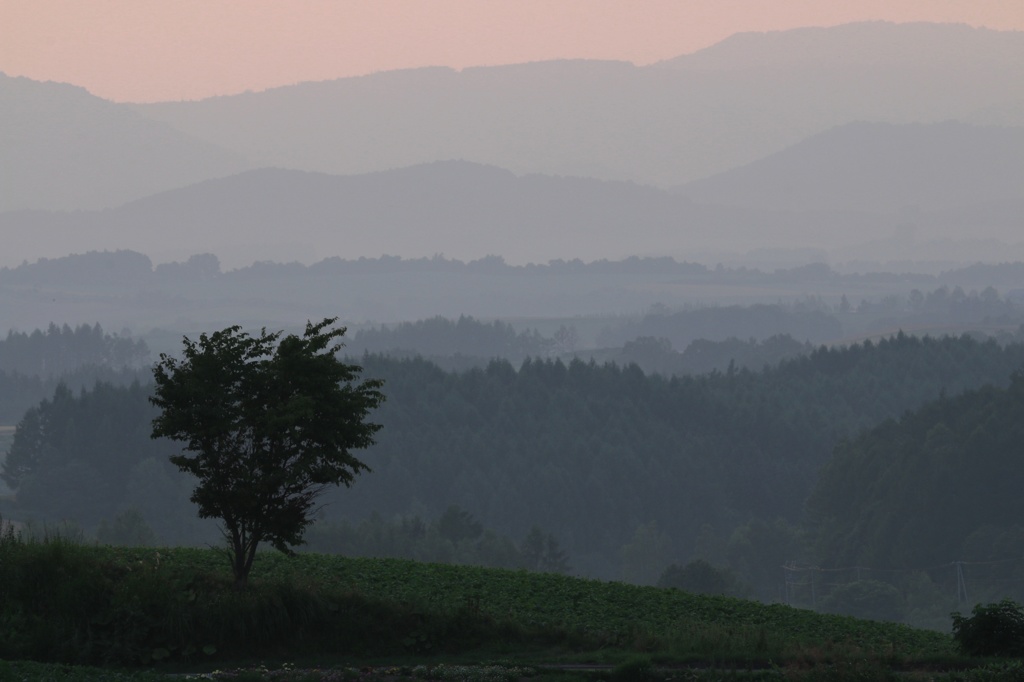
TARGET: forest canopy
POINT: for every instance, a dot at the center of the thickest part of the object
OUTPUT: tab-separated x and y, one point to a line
590	453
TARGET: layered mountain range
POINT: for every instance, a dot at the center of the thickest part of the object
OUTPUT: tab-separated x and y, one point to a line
902	137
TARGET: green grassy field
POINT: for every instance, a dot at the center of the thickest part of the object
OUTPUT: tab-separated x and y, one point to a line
149	612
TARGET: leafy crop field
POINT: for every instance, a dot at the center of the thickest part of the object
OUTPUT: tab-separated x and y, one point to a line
614	613
584	614
176	608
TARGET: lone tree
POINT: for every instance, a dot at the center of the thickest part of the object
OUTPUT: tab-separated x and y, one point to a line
268	424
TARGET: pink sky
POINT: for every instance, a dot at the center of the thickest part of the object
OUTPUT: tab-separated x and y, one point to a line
152	50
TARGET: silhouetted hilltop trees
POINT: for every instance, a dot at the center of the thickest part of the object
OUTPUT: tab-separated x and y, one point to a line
440	337
702	356
760	321
124	288
60	350
105	266
94	269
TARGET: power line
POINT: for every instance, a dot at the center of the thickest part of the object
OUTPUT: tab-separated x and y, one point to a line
988	579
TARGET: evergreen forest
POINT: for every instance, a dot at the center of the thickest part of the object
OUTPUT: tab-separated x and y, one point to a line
729	481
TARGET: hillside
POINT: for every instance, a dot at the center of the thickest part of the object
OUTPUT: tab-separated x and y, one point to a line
938	485
468	211
882	168
680	120
174	608
593	454
66	149
665	124
456	208
918	45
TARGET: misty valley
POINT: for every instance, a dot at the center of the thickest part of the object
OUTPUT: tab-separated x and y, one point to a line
625	372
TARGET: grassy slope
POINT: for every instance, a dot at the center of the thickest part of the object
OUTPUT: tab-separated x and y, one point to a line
125	606
615	614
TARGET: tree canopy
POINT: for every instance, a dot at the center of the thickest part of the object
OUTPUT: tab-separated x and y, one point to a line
587	452
940	484
268	423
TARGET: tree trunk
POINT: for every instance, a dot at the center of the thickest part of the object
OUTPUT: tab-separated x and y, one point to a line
242	553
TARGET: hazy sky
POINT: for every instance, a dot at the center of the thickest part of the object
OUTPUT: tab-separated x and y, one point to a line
152	50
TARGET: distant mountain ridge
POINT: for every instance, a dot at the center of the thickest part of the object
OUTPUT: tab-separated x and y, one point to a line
461	209
879	167
63	148
359	167
663	124
866	43
468	211
677	121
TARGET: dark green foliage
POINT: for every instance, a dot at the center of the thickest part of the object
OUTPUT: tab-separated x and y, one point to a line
268	425
700	577
870	599
591	452
457	524
588	452
930	488
128	529
410	537
991	630
26	451
55	672
72	456
643	555
45	587
540	551
757	550
76	604
634	670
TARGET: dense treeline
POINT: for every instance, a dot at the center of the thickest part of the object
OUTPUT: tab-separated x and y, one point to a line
946	308
86	457
455	537
702	356
812	302
125	266
941	484
759	322
60	350
921	515
557	443
696	340
439	338
33	365
466	343
19	392
625	469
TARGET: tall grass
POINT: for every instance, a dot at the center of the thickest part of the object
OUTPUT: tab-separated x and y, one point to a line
63	601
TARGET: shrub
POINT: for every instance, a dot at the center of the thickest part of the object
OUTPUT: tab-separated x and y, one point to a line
992	630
